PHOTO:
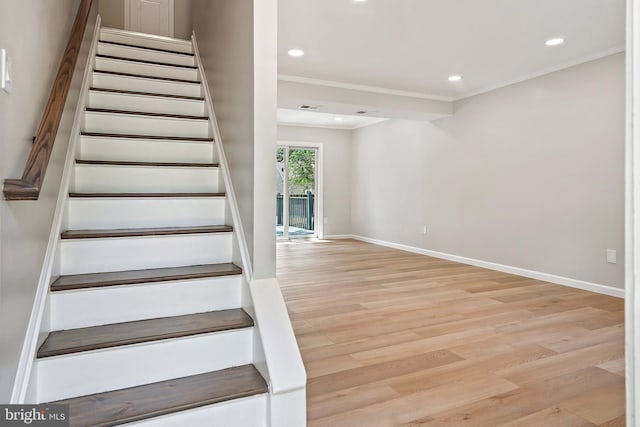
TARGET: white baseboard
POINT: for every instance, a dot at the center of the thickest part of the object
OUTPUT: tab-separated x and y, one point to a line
559	280
339	237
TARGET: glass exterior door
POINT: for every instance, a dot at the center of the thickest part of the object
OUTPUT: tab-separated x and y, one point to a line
296	204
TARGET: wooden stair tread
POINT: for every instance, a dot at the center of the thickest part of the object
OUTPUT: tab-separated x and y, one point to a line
152	164
142	195
169	79
165	397
140	232
147	48
98	280
158	95
70	341
144	61
129	136
144	113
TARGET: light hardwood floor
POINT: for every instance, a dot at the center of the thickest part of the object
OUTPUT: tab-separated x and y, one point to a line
391	338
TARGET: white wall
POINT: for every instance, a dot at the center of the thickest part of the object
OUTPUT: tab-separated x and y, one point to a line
530	176
25	226
183	25
336	145
237	42
112	14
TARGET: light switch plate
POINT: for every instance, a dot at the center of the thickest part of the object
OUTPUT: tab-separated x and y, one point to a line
5	71
612	256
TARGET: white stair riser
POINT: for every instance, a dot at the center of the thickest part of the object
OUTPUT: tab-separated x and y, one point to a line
91	307
85	214
129	124
138	179
110	81
98	371
146	150
146	40
80	256
154	104
140	68
247	412
145	54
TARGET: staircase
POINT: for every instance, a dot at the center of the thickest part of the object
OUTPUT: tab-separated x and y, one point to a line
145	318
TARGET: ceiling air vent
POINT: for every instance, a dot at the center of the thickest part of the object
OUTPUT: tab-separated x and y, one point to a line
361	112
308	107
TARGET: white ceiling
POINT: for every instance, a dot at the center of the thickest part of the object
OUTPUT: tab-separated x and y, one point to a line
414	45
323	120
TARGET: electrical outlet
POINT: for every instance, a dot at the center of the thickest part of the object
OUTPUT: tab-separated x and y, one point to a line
424	229
326	220
5	71
612	256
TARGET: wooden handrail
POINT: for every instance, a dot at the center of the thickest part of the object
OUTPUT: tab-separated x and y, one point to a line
28	187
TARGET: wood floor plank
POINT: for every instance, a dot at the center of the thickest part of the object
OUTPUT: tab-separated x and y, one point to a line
349	399
105	336
384	370
152	400
116	278
609	405
618	422
522	347
616	366
551	417
523	401
407	408
599	336
563	363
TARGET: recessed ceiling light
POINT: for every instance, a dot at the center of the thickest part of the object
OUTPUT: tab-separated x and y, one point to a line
554	42
359	1
455	78
296	53
338	119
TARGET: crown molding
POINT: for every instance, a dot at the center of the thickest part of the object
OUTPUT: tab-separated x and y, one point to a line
363	88
419	95
545	71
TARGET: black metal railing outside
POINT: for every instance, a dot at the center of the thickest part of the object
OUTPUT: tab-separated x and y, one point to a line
301	213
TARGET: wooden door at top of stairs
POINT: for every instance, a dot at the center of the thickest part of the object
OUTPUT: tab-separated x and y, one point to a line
150	16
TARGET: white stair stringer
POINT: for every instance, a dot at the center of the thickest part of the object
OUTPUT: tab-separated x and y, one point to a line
83	308
99	255
88	213
145	150
88	372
